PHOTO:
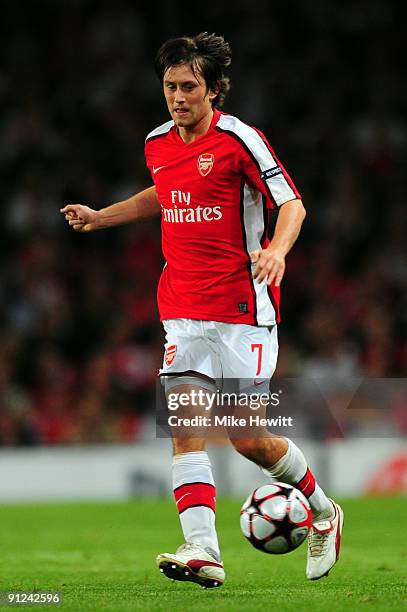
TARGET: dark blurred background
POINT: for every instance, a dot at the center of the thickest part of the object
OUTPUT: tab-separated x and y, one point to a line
80	340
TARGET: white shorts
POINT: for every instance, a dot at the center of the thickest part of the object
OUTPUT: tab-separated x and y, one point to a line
220	351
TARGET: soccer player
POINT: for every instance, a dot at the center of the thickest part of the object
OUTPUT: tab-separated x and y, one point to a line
216	180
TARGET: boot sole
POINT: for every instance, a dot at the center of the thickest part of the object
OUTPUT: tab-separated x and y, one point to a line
175	570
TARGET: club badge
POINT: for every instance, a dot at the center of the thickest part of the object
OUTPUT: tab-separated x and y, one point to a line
205	163
170	353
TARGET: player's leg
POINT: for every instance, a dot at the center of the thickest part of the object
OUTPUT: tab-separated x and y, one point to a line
193	482
283	460
197	560
325	536
190	365
280	457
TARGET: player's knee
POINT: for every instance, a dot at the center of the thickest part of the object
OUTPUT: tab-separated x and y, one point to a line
264	449
245	446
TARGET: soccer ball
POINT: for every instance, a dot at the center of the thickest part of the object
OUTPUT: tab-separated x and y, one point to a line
276	518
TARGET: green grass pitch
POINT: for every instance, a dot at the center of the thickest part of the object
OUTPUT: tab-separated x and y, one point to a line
102	556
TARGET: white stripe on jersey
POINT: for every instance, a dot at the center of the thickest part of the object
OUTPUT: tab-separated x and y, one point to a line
254	228
280	189
161	129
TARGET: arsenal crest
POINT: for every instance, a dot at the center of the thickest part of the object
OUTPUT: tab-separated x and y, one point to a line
170	353
205	163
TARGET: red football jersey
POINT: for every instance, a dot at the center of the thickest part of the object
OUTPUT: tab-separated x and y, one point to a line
216	194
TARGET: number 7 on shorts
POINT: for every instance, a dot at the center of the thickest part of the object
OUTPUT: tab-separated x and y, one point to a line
258	347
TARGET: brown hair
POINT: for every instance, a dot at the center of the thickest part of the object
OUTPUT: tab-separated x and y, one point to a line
207	54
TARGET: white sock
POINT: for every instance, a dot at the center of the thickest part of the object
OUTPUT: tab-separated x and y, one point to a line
195	496
292	469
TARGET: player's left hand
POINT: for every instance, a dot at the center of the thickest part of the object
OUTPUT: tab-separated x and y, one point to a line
270	265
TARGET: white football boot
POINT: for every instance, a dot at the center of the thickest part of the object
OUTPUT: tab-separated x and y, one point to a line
324	542
192	563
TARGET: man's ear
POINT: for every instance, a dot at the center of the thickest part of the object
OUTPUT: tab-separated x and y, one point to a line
212	94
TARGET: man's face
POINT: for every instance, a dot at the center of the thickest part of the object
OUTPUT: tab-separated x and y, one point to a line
186	94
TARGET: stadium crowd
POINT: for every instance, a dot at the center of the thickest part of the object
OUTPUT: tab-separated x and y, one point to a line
80	340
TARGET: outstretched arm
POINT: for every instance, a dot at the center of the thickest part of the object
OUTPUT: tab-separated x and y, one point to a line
271	261
139	206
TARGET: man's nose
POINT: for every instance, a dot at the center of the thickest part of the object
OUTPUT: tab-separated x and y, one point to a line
179	95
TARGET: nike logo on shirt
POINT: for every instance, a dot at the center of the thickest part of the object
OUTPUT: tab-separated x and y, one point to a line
155	170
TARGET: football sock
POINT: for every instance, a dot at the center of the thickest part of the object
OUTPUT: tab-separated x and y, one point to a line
292	469
195	496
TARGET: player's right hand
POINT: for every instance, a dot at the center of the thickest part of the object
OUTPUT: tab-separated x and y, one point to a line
81	218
